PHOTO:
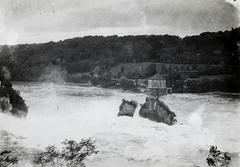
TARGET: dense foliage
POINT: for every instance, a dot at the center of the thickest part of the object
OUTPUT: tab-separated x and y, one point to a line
217	159
17	102
6	159
230	84
72	154
32	61
17	106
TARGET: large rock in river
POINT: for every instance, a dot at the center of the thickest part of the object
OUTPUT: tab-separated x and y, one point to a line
156	110
127	108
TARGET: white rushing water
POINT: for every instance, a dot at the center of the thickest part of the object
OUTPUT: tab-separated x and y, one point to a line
71	111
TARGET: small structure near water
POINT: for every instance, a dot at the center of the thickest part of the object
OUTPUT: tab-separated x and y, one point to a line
157	86
156	110
127	108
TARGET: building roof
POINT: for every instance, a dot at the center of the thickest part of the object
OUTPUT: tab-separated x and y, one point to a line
156	77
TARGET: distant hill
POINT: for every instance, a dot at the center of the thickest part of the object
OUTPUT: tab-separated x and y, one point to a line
29	62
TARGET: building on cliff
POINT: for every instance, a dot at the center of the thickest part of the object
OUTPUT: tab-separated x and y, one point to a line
157	85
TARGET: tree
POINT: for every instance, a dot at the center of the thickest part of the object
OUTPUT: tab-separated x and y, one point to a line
170	75
72	154
216	85
137	72
50	156
58	61
69	54
119	74
150	70
164	69
217	159
6	159
126	83
122	69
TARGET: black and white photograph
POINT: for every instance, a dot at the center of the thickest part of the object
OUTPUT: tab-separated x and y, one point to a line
119	83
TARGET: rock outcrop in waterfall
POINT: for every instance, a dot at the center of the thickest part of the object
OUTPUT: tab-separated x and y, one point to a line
156	110
127	108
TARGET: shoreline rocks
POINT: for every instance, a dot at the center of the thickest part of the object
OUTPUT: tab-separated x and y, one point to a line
11	102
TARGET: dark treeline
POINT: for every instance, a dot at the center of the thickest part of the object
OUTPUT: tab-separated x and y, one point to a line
28	62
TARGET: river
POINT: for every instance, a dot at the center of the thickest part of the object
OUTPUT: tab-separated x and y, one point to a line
74	111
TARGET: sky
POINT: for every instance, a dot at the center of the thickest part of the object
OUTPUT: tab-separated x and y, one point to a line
38	21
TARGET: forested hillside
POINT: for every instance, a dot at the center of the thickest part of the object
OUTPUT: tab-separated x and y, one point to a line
28	62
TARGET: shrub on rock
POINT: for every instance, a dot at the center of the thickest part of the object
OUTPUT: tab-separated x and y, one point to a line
127	108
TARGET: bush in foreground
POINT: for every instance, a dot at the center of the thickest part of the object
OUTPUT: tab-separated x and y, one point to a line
217	159
72	155
7	159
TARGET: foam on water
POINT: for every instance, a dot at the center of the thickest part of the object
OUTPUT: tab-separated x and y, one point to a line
59	112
